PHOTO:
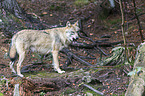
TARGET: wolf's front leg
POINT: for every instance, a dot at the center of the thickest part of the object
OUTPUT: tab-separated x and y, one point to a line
55	62
11	66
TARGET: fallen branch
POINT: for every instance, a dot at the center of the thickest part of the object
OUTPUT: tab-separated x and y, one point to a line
89	46
68	52
109	44
92	45
95	44
26	68
83	45
69	59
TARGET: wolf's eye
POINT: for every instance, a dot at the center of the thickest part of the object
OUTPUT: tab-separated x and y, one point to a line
72	32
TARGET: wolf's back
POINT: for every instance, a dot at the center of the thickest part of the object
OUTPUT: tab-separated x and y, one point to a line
12	50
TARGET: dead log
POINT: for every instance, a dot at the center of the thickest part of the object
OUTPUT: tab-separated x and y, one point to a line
137	81
29	87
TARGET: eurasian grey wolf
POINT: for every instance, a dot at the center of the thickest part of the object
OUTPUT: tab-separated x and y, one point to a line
42	42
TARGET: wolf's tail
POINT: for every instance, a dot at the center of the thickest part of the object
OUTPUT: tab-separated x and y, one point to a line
13	52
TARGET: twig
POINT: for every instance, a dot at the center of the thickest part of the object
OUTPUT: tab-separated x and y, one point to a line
81	27
90	39
137	16
138	22
84	57
93	89
101	51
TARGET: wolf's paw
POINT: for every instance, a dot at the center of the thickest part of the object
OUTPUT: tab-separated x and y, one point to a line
13	71
21	75
61	72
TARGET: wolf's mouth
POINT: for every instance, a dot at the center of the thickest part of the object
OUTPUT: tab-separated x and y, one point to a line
74	39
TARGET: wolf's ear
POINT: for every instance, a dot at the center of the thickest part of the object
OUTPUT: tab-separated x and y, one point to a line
68	24
77	23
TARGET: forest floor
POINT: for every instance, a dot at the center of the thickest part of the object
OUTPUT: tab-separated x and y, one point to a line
110	80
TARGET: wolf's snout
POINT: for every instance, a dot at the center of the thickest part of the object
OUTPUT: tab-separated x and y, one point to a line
77	37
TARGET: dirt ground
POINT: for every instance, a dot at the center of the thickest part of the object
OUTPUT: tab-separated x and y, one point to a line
111	80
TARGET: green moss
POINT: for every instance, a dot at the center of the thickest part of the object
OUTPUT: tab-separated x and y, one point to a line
42	94
114	21
81	2
43	74
98	69
104	13
55	7
69	91
1	94
110	22
123	94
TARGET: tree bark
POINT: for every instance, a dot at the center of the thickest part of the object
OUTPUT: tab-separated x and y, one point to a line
137	81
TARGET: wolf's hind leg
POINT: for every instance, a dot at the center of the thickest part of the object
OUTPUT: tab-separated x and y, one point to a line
11	66
21	58
56	63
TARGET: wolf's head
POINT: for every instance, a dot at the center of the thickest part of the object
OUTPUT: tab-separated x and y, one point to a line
72	31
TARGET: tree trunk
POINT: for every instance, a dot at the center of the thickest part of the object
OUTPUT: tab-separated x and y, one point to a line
14	19
13	7
137	81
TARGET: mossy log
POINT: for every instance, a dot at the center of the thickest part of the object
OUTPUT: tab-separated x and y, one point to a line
137	81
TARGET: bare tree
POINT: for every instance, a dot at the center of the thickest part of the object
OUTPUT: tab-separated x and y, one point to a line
123	31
